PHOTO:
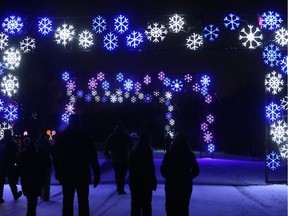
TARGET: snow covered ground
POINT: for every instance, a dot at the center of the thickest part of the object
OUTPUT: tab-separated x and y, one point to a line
227	185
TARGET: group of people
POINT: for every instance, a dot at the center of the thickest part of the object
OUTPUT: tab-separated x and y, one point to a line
74	156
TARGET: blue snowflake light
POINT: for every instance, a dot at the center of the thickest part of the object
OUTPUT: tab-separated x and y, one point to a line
1	69
65	117
284	64
148	98
65	76
99	24
134	39
271	20
12	25
166	82
176	85
205	80
211	32
45	25
11	113
80	93
121	24
105	85
110	41
128	85
273	160
271	55
119	77
273	111
210	148
231	21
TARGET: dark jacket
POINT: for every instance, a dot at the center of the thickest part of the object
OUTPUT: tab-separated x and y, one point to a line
73	156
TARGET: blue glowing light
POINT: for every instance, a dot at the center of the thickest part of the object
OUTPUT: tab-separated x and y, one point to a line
80	93
45	25
176	85
65	117
271	55
119	77
273	160
148	98
110	41
65	76
205	81
271	20
134	39
105	85
128	85
166	82
210	148
211	32
231	21
13	25
11	113
99	24
284	65
273	111
121	24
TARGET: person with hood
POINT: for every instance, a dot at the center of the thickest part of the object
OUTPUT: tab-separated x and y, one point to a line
74	155
31	169
142	178
117	147
179	167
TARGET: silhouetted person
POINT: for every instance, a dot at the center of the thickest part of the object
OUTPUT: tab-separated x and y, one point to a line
74	155
142	178
32	170
9	151
117	147
167	141
179	167
45	149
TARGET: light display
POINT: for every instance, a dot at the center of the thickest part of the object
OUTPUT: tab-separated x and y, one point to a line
284	64
9	85
281	37
194	41
284	103
273	111
12	58
271	55
99	24
147	79
211	148
3	41
176	85
156	32
121	24
232	21
188	77
11	113
273	160
251	38
110	41
134	39
176	23
45	26
64	34
271	20
27	44
274	82
1	69
4	126
12	25
279	132
211	32
86	39
284	151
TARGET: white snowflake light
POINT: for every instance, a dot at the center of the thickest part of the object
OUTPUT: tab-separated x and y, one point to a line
281	37
210	148
284	151
161	75
284	64
27	44
188	78
273	111
92	83
251	38
156	32
204	126
274	82
70	86
12	58
128	85
64	34
110	41
207	137
176	23
3	41
9	85
99	24
284	103
45	26
4	126
208	99
70	108
194	41
86	39
272	160
100	76
211	32
205	80
121	24
11	113
231	21
210	118
196	87
134	39
279	132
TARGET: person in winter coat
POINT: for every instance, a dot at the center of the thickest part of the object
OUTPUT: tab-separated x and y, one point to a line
179	167
8	156
31	169
142	178
117	147
45	149
74	155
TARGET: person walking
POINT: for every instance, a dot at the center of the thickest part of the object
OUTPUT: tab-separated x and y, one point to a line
74	155
117	147
9	151
179	167
44	147
32	172
142	178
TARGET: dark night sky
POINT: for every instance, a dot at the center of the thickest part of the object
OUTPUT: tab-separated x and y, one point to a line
238	74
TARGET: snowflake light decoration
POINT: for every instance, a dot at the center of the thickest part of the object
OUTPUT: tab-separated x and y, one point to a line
1	69
4	126
161	75
12	58
176	85
9	85
64	34
271	55
105	85
134	39
196	87
99	24
110	41
204	90
281	37
156	32
12	25
92	83
211	32
232	21
284	64
147	79
65	76
284	103
137	87
251	38
205	81
273	111
274	82
1	105
210	118
80	93
271	20
3	41
121	24
128	85
176	23
272	160
86	39
168	95
88	97
27	44
207	137
70	108
70	86
204	126
65	117
279	132
166	82
119	77
148	98
194	41
208	99
210	148
284	151
45	26
11	113
188	78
